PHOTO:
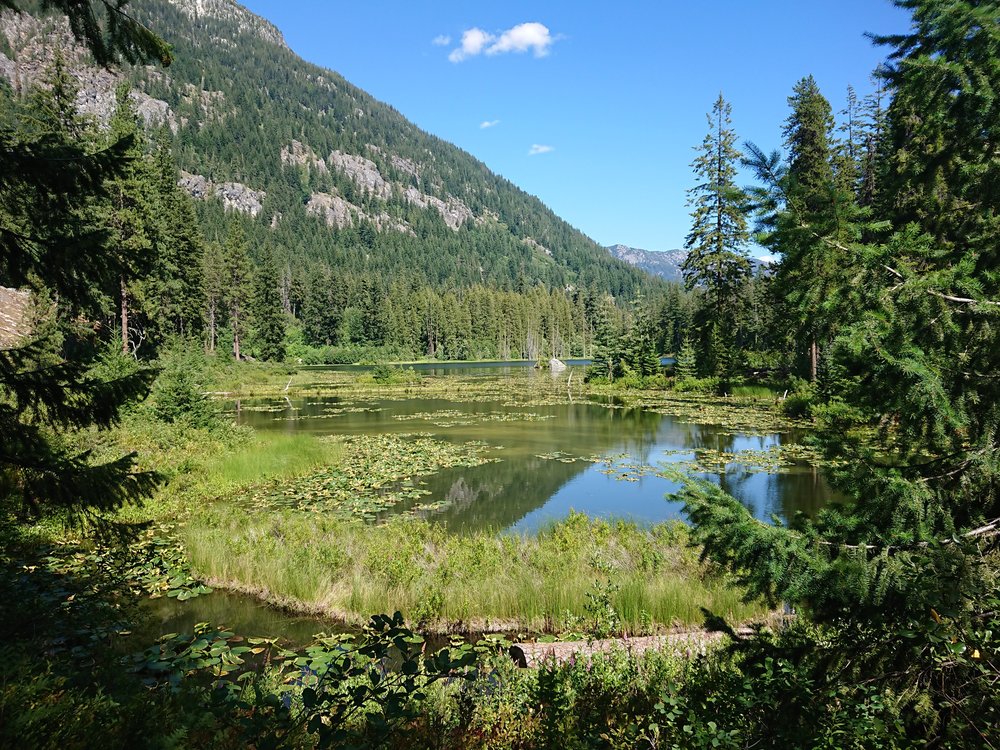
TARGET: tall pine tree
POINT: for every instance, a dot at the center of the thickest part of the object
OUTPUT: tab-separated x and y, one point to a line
899	607
267	313
237	288
717	257
52	178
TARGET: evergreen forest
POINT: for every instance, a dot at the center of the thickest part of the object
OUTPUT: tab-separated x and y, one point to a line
188	224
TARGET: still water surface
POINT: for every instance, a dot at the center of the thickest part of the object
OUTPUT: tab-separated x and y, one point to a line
524	490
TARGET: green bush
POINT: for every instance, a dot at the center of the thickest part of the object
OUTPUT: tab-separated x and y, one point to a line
178	393
696	385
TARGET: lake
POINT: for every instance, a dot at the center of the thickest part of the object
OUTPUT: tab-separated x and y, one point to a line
595	456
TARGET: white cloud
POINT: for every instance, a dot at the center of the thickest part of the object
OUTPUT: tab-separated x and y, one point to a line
537	148
489	124
441	40
474	41
521	38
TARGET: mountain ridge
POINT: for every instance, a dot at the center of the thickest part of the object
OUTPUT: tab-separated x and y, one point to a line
317	167
663	263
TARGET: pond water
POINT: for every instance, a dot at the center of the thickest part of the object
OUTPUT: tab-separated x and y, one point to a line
554	457
596	458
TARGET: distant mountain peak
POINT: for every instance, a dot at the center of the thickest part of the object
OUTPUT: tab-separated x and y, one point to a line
663	263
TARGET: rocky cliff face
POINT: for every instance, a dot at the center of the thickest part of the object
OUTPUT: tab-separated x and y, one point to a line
227	10
33	42
367	177
234	195
14	317
666	263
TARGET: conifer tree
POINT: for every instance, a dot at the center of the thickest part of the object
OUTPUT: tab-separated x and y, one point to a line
897	591
237	284
107	29
131	216
173	289
268	316
716	245
213	284
640	345
52	177
811	216
608	343
687	361
717	242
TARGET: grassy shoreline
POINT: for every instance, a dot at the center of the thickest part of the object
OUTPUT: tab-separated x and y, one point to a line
578	575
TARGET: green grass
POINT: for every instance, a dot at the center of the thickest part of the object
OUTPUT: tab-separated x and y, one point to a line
268	456
754	391
479	581
202	466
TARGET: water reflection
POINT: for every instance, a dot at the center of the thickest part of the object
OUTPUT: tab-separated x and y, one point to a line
525	490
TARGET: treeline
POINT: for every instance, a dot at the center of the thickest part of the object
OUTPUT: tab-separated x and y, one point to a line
811	199
229	127
478	322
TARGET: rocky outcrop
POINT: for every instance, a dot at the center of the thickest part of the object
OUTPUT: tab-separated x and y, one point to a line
14	323
333	209
404	165
453	211
536	245
363	172
340	213
227	10
399	163
35	41
300	155
234	195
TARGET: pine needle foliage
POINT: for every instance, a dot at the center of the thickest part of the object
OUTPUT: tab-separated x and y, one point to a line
107	29
898	591
54	174
717	242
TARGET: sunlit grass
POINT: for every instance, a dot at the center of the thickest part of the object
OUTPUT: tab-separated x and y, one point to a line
203	466
269	456
754	391
482	580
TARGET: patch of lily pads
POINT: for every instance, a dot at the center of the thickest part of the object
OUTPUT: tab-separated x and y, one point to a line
377	473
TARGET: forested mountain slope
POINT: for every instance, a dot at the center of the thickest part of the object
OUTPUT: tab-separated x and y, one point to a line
324	173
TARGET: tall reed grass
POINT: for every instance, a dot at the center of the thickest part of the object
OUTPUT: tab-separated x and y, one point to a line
546	582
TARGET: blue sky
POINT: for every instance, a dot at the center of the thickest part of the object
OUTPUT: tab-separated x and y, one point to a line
612	97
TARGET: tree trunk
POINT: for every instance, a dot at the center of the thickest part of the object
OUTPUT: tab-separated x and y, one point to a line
211	326
813	361
236	335
124	294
